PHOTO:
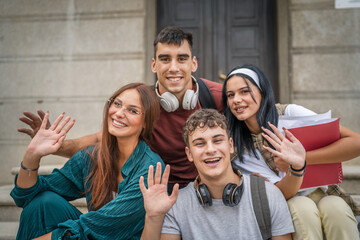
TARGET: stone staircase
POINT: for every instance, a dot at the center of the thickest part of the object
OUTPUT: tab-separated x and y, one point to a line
10	214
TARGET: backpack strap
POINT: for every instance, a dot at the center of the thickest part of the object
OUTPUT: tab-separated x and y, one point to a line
205	96
261	205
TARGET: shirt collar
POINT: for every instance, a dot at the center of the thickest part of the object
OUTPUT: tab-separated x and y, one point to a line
134	159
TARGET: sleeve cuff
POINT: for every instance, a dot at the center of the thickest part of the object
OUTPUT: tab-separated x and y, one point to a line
59	234
22	196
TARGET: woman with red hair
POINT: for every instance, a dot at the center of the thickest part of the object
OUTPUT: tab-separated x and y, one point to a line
106	174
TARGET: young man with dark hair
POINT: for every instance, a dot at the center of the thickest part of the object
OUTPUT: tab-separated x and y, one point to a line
218	205
178	92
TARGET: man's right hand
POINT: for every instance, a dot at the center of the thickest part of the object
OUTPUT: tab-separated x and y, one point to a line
48	141
34	122
68	147
156	200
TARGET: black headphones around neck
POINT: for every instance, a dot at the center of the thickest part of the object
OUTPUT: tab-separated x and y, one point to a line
231	195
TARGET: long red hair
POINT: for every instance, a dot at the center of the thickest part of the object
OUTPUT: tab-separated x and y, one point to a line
103	178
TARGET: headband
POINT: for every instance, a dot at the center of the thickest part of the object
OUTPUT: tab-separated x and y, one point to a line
249	73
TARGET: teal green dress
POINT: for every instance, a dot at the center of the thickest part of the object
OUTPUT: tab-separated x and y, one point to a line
121	218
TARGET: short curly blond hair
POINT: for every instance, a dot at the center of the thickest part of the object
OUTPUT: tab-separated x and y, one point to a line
204	118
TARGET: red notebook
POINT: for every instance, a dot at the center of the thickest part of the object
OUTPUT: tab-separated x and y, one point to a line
317	136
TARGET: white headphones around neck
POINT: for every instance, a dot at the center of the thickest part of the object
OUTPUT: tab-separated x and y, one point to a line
170	103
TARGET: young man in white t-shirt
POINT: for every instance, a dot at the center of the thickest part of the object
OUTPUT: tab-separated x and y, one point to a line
218	205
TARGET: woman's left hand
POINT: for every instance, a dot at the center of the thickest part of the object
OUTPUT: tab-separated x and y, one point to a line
287	147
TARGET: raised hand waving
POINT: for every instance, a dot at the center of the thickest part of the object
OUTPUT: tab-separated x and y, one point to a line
287	147
48	140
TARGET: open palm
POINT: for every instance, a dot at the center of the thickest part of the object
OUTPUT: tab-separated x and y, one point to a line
287	147
48	141
156	199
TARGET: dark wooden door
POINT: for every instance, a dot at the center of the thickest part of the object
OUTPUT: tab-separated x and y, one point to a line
227	33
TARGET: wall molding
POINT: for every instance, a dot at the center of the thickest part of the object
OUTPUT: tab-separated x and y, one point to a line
326	50
71	17
74	57
351	94
43	99
315	6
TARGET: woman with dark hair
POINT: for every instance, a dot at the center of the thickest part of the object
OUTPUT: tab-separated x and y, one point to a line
106	174
250	109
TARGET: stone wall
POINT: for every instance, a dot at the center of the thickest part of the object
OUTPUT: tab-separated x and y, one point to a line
67	55
320	56
70	55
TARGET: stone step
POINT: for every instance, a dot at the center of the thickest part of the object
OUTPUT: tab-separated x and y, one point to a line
10	212
351	171
351	181
8	209
8	230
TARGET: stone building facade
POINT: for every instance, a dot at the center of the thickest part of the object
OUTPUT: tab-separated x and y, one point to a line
70	55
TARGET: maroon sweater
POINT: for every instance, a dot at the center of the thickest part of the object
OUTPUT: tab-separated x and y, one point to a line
167	139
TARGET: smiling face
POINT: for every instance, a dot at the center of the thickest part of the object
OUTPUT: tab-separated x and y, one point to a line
173	65
210	149
125	115
243	99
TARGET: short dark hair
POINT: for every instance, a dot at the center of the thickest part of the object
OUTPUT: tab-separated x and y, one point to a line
202	118
173	35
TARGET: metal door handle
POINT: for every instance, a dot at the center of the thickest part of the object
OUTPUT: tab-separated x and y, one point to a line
222	76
